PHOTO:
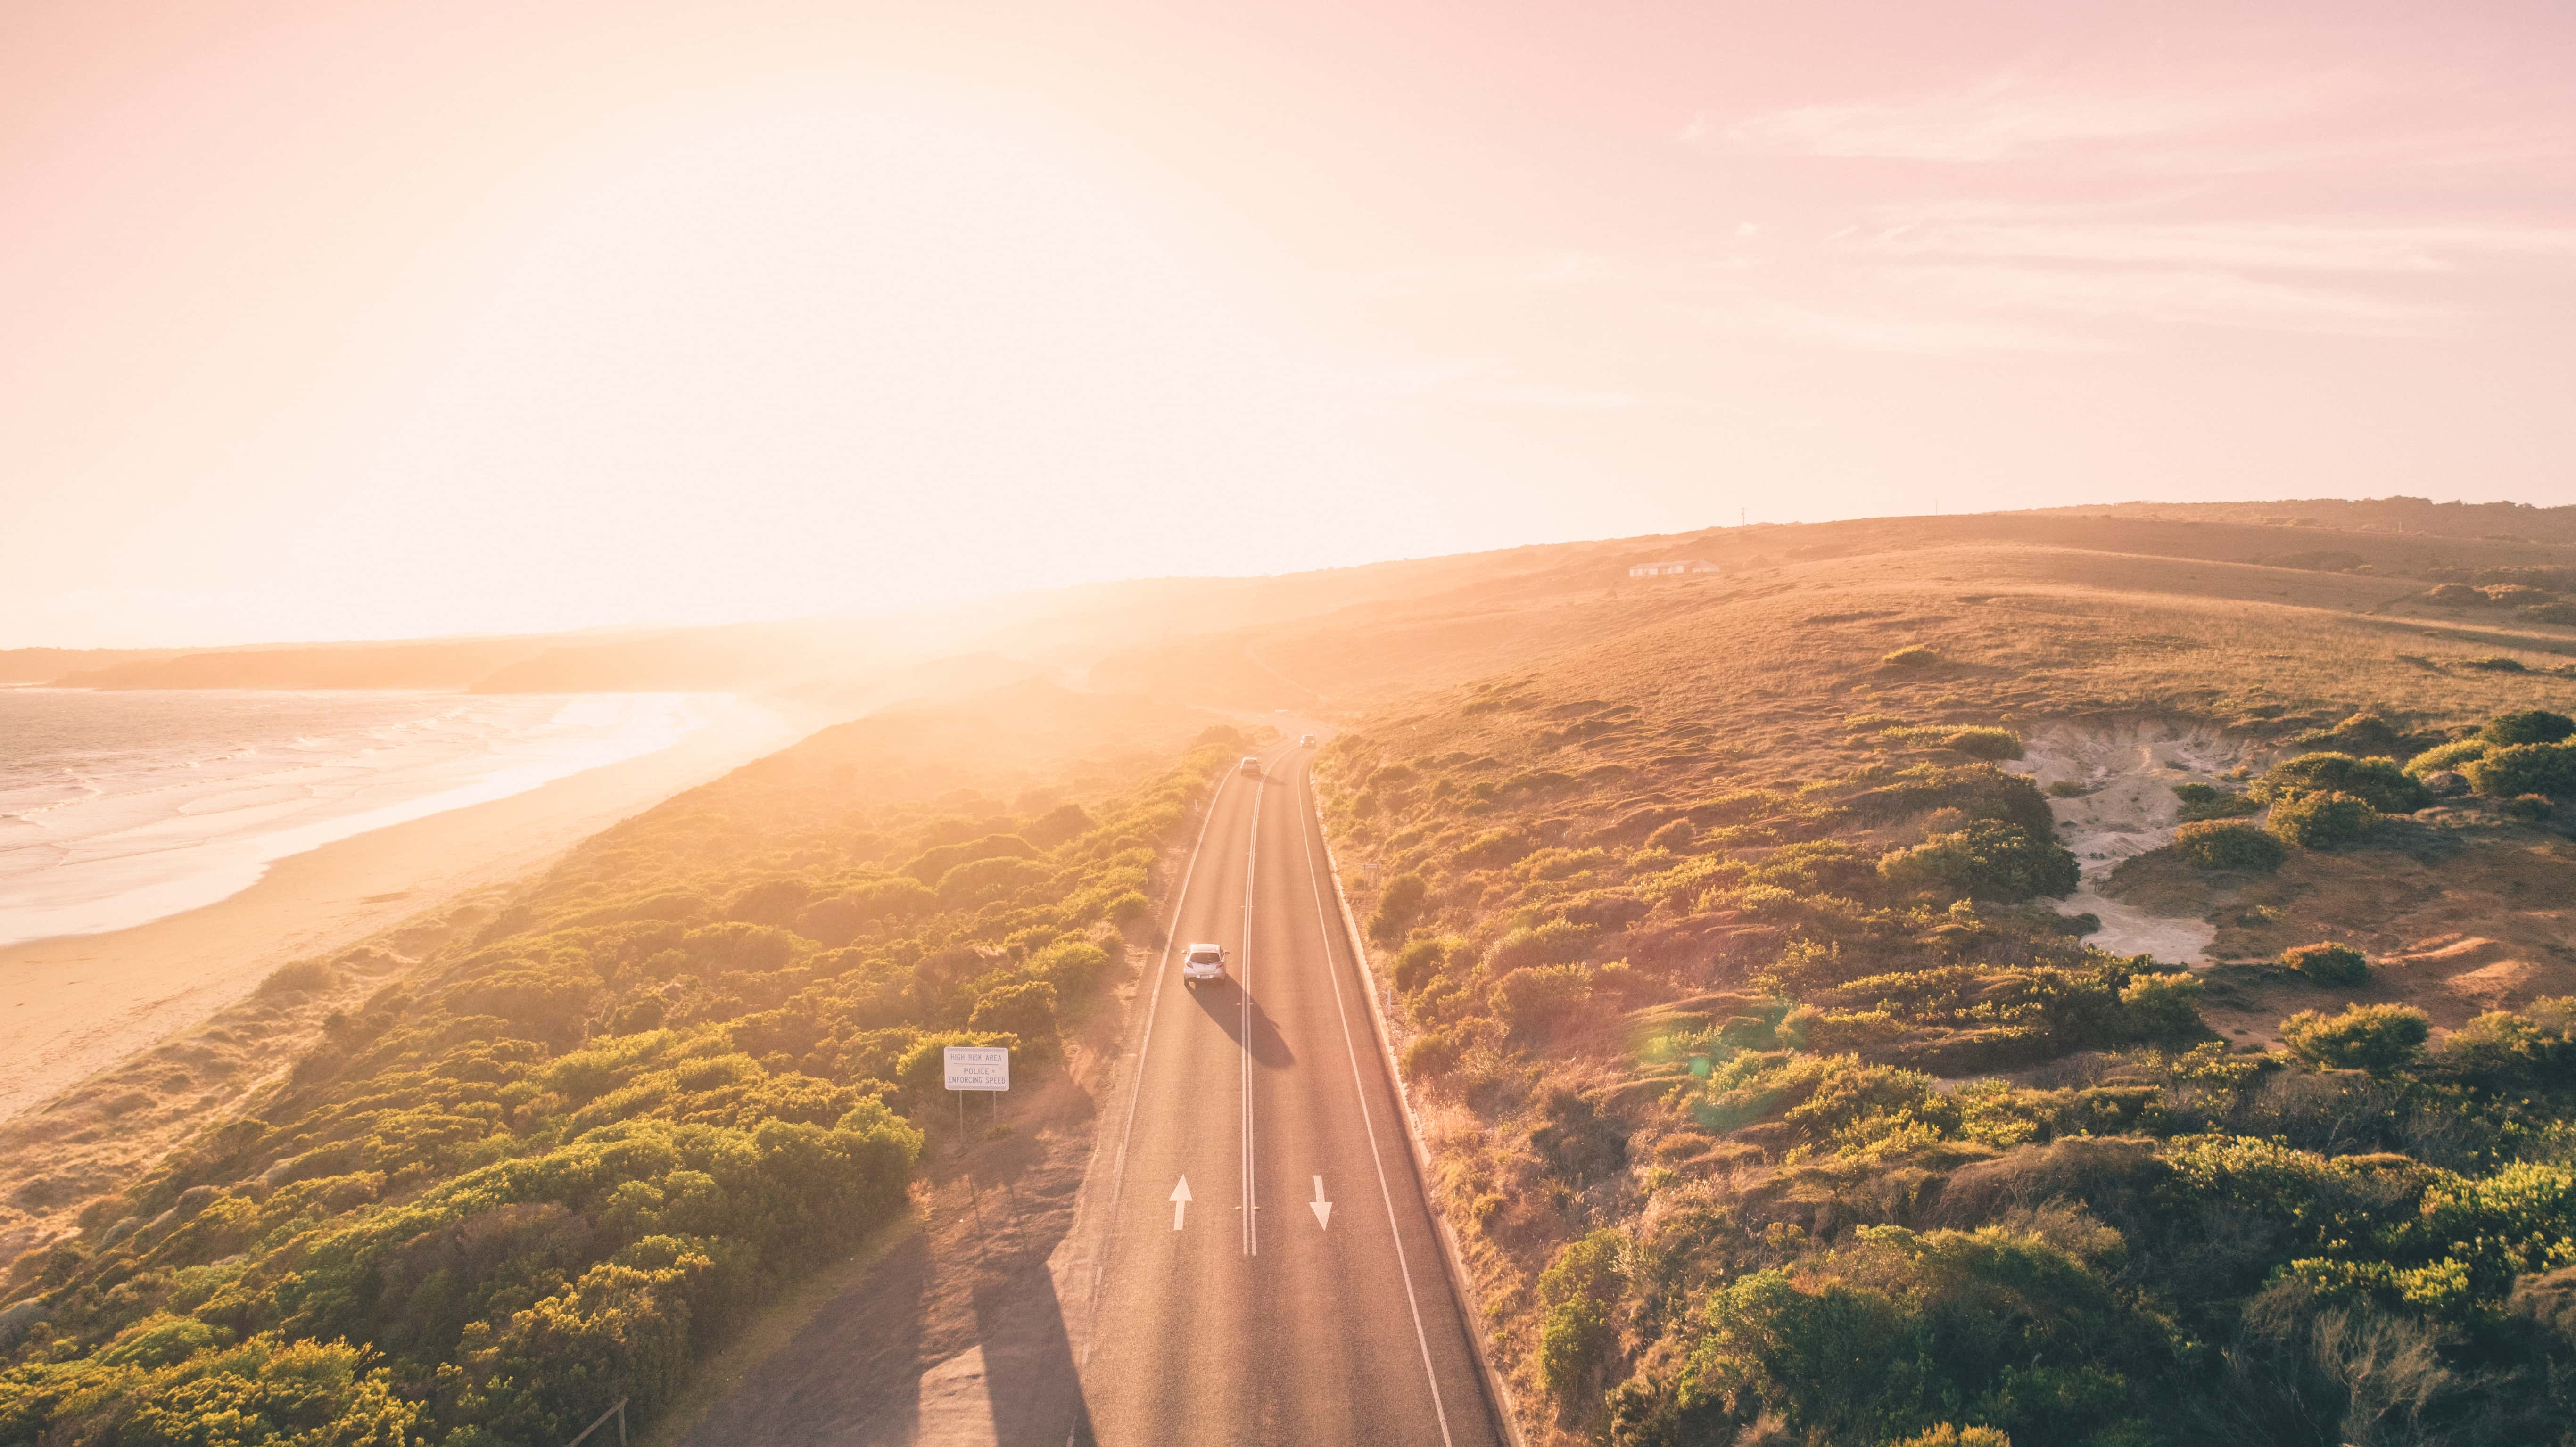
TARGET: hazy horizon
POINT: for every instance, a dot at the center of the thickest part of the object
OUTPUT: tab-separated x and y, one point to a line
370	324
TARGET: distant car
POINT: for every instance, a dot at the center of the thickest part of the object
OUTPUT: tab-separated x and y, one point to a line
1305	741
1203	962
1250	765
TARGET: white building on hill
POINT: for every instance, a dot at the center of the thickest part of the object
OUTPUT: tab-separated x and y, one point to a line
1660	570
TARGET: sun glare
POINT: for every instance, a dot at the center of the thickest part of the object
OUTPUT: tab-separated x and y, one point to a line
861	357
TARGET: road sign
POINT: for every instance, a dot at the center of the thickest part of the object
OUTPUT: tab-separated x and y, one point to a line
978	1067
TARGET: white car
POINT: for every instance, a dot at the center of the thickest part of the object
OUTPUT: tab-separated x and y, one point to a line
1203	962
1305	741
1250	765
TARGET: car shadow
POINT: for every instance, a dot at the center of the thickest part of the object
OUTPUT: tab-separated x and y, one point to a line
1223	1002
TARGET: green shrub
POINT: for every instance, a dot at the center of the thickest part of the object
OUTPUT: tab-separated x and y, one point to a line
1494	849
2507	1049
2207	801
2162	1006
1900	1333
2361	733
1433	1055
980	880
1575	1295
1416	965
1397	906
2213	844
1985	860
2515	769
2379	782
1534	1000
2528	726
2323	821
1985	743
264	1391
1026	1010
2376	1038
1074	966
2067	789
1979	791
2530	808
1912	656
303	976
2328	963
1063	822
2496	663
933	864
1557	942
2442	757
1951	1435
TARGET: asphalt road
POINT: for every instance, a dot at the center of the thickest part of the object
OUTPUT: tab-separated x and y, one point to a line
1298	1296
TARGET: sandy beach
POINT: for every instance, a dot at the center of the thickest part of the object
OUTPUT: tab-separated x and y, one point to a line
73	1006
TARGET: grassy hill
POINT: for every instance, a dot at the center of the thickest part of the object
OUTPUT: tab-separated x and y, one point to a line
1782	1092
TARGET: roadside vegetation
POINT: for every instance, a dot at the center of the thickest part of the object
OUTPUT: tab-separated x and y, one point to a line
1778	1100
560	1162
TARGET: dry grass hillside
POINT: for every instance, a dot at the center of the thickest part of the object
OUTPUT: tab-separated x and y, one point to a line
2167	592
1798	966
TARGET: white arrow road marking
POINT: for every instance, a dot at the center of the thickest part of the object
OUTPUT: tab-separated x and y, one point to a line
1322	1208
1181	1201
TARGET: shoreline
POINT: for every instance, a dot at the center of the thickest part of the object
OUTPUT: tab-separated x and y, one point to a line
74	1005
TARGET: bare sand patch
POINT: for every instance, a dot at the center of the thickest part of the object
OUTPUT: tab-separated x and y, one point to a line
2128	772
2494	986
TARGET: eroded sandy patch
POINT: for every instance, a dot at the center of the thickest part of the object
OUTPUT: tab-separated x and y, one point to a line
2128	771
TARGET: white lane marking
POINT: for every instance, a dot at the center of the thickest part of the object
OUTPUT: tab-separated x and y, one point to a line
1243	989
1385	1193
1153	1006
1322	1208
1180	1201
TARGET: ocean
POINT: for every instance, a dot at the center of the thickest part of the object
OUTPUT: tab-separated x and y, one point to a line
118	808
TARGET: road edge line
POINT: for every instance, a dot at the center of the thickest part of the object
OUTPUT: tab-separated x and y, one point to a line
1368	1124
1449	1254
1135	1079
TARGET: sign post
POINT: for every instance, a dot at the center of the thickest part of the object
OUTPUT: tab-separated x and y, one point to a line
975	1067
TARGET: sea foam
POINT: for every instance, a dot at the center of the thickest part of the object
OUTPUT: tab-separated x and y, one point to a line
118	808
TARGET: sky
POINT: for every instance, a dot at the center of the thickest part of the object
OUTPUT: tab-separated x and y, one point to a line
327	321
